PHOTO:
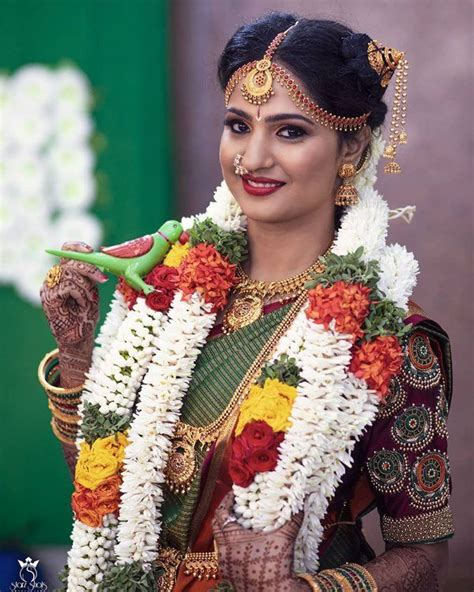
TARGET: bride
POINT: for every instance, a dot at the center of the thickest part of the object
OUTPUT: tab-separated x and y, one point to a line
230	430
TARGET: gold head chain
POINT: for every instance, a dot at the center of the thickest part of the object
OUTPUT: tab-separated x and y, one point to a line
257	89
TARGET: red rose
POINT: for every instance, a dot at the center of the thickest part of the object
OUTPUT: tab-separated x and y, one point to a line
163	277
263	459
158	300
240	473
240	451
257	434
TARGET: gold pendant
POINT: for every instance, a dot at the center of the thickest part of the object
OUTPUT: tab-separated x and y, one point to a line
181	466
245	309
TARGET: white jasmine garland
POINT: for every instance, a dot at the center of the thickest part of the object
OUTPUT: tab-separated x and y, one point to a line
225	211
399	269
91	554
107	335
330	411
127	360
365	223
166	382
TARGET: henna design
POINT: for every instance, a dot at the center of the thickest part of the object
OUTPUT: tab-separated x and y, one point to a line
254	561
404	569
72	310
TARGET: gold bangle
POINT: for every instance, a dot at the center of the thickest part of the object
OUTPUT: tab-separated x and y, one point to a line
49	388
309	579
59	436
72	419
345	584
366	573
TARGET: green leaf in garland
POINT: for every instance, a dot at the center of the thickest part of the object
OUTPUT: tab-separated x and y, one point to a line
350	268
385	318
232	245
96	425
130	578
284	369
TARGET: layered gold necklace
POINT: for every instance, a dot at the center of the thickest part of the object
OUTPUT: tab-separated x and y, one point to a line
251	295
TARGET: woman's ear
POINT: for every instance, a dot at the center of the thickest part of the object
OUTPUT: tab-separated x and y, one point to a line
353	148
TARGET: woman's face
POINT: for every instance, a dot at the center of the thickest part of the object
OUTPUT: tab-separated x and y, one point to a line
286	147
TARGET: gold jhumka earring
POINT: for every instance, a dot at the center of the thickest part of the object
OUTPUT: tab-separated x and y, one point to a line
347	194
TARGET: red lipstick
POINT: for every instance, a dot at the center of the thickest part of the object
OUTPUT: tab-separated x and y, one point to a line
252	190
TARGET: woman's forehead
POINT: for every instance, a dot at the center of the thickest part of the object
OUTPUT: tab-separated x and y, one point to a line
280	102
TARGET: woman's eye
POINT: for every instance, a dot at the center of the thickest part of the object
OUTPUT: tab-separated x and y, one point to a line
238	127
291	132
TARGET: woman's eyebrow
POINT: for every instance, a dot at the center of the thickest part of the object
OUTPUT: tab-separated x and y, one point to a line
271	118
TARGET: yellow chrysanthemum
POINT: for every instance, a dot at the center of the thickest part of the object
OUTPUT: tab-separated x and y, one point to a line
176	254
271	403
101	460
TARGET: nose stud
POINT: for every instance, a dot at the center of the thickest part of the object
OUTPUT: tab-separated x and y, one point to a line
239	169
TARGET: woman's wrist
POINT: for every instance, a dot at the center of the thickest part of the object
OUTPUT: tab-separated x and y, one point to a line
74	362
63	402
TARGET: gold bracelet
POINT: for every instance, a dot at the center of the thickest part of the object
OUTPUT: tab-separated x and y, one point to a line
364	573
309	579
49	388
59	436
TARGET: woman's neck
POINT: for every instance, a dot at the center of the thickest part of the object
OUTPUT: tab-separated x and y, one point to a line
281	250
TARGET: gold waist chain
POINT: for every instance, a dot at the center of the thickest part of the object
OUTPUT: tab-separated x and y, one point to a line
199	565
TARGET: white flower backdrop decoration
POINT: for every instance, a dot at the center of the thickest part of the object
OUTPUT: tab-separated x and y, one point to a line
47	165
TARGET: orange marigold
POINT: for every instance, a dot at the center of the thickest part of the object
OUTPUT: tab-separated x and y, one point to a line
207	272
90	506
347	303
377	362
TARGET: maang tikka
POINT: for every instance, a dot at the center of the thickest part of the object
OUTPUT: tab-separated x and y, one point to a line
257	88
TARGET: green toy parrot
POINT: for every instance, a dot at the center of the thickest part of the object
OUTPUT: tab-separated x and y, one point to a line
132	259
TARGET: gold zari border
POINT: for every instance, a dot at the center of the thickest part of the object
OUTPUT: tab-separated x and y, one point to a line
424	528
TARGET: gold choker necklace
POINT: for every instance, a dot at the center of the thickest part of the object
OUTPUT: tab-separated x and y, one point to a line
250	295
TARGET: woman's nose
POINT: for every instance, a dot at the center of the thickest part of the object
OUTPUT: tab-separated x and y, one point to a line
257	154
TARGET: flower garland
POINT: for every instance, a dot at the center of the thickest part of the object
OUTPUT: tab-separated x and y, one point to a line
299	423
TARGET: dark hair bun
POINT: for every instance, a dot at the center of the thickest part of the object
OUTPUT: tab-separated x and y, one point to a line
354	51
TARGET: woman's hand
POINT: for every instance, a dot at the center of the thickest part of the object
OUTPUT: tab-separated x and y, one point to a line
71	305
254	561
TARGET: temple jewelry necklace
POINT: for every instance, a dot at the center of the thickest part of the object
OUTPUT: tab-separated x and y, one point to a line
252	294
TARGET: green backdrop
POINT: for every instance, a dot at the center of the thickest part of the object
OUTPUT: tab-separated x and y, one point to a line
121	45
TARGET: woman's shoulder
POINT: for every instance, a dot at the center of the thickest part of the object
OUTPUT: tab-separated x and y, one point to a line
427	351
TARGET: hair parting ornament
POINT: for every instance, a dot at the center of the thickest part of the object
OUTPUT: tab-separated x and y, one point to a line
257	89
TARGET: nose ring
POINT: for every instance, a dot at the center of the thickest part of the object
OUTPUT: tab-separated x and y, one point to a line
239	169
